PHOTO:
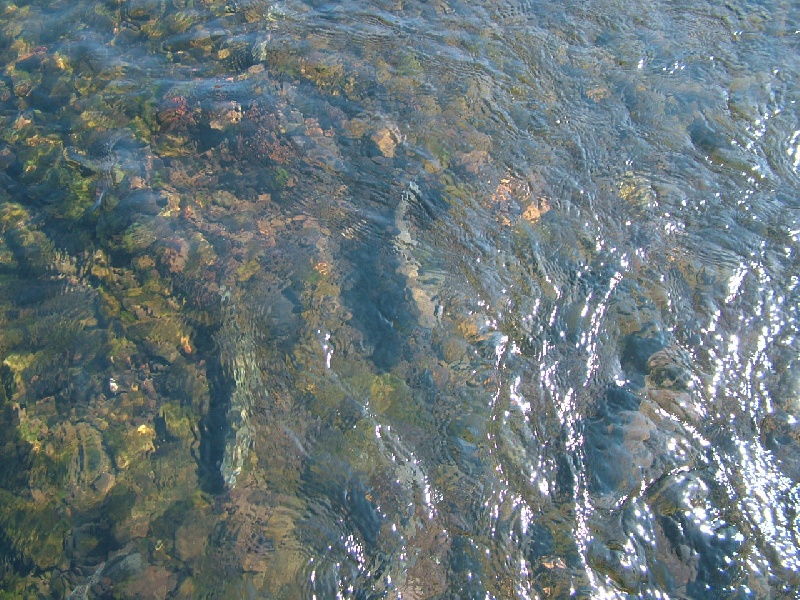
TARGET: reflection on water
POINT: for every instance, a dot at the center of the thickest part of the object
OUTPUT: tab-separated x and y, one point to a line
402	300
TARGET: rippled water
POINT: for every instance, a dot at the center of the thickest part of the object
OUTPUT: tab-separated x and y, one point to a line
401	299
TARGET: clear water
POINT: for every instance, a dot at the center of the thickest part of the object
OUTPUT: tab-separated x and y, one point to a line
400	299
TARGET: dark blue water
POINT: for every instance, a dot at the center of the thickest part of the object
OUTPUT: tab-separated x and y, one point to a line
399	299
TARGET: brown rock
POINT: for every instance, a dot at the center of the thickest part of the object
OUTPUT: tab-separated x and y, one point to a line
154	583
385	141
191	540
104	483
535	210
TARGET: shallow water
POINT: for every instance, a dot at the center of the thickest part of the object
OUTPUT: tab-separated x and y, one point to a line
399	299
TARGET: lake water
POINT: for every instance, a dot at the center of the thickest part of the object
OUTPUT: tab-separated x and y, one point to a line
403	299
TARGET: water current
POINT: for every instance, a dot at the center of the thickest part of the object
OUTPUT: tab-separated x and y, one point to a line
399	299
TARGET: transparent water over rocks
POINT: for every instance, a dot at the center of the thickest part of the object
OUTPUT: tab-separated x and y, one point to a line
401	299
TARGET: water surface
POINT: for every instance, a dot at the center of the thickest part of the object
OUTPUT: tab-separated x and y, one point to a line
399	299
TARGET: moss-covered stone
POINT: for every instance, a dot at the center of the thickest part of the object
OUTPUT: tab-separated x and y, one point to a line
34	531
